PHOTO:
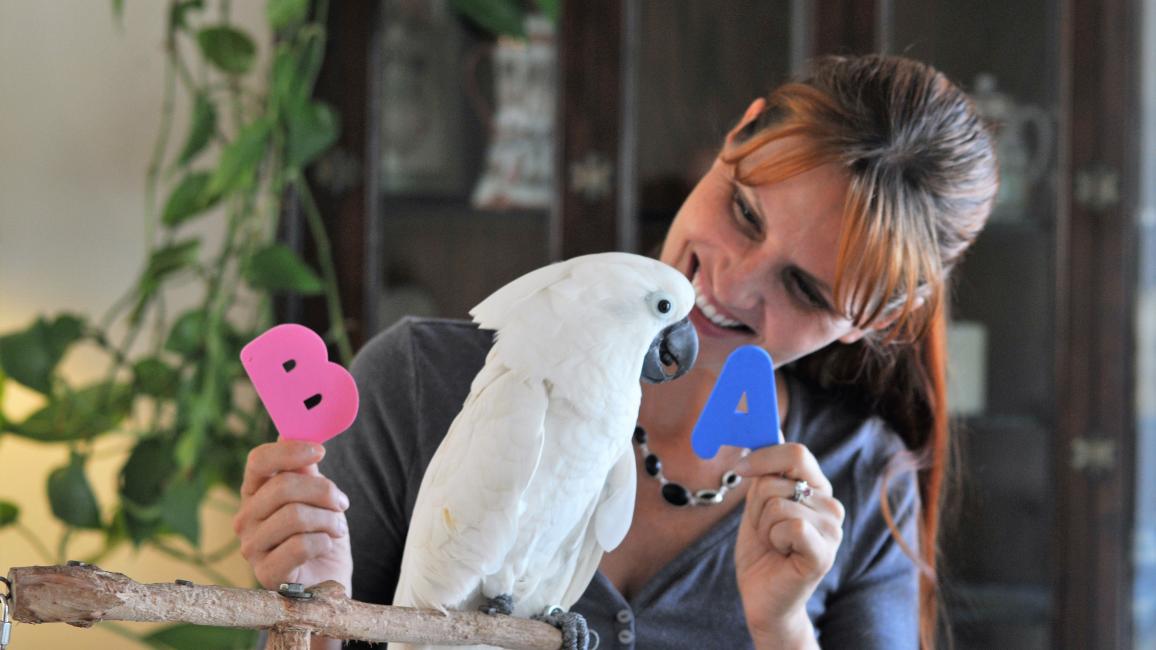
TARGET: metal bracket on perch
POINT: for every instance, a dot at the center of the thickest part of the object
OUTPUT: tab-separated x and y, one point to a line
82	595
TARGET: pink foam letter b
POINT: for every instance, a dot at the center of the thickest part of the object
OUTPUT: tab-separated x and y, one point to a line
308	396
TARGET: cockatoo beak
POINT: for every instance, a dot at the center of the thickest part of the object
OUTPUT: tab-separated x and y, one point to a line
671	353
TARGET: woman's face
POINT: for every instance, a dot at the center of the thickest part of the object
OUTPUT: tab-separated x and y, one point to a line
762	261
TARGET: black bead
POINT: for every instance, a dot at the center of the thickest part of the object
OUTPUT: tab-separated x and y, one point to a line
675	494
653	465
730	479
640	435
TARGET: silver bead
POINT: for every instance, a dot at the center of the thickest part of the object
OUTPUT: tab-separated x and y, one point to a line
708	497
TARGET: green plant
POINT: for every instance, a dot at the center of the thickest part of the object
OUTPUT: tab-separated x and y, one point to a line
174	386
503	17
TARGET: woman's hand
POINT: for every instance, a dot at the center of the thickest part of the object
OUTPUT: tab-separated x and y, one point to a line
784	548
292	519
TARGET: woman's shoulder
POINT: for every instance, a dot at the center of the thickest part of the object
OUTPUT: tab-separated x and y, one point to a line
422	340
839	429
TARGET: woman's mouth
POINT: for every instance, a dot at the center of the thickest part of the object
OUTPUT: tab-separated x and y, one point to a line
711	312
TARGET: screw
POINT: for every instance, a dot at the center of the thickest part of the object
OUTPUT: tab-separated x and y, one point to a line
184	583
294	590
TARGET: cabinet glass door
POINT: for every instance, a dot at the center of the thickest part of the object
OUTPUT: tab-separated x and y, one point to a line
698	69
464	157
998	540
1144	597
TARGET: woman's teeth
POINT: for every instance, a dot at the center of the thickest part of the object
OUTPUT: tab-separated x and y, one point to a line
709	310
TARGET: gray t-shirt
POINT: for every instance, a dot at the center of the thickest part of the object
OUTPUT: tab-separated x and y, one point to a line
413	380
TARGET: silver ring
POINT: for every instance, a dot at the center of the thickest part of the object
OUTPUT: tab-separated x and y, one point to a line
803	491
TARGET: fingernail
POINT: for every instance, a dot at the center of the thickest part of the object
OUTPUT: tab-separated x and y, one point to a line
317	450
343	501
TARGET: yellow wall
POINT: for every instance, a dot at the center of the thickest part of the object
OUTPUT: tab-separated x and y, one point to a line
80	100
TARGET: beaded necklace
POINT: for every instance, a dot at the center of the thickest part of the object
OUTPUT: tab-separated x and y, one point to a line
675	493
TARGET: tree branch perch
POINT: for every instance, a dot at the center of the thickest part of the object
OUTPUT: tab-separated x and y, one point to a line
84	595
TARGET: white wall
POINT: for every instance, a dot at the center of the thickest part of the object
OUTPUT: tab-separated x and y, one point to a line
80	98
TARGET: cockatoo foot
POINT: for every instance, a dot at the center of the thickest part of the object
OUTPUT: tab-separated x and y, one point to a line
500	604
575	633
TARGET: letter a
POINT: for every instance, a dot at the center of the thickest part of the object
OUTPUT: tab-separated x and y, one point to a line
743	409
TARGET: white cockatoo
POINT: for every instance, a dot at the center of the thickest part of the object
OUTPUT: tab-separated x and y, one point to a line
535	479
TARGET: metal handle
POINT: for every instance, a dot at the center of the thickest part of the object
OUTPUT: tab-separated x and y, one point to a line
5	621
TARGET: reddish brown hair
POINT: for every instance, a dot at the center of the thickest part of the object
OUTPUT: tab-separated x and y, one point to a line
923	176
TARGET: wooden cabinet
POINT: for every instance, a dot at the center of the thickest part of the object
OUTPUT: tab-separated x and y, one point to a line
1041	554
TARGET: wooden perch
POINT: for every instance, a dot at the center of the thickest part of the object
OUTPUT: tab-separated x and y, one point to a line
83	595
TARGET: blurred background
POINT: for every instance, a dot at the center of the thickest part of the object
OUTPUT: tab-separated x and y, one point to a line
470	152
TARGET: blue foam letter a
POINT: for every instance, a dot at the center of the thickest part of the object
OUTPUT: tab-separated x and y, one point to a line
748	373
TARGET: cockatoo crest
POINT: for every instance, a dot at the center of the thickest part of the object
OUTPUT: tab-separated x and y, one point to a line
595	304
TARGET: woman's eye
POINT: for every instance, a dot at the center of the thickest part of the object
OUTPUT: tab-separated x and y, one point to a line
746	217
809	293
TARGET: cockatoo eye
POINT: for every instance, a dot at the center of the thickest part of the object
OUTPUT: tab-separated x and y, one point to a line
661	303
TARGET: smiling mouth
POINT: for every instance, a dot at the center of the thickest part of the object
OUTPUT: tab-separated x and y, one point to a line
712	313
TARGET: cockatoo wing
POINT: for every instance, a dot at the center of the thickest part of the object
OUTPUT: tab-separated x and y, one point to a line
611	521
465	519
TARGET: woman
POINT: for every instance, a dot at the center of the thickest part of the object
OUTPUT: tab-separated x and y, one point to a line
824	232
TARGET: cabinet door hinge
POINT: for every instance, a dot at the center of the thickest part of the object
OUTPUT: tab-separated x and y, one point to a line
1093	455
1097	187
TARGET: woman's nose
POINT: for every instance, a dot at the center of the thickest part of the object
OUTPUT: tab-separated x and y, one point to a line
742	283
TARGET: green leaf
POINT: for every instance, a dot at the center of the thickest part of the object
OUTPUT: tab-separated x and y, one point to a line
118	10
9	513
86	413
312	129
30	356
163	263
3	385
181	509
499	17
202	413
187	337
184	636
295	67
228	48
146	472
141	529
190	198
155	377
550	8
170	259
71	497
201	129
177	16
240	159
277	268
283	13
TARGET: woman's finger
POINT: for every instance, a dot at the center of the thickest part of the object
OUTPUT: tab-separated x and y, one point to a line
267	460
292	519
789	459
797	537
282	563
771	486
777	510
291	487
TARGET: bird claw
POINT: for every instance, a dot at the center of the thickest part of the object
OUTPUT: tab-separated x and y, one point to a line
575	632
500	604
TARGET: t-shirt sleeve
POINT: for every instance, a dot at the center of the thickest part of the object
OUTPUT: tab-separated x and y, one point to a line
372	462
877	605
